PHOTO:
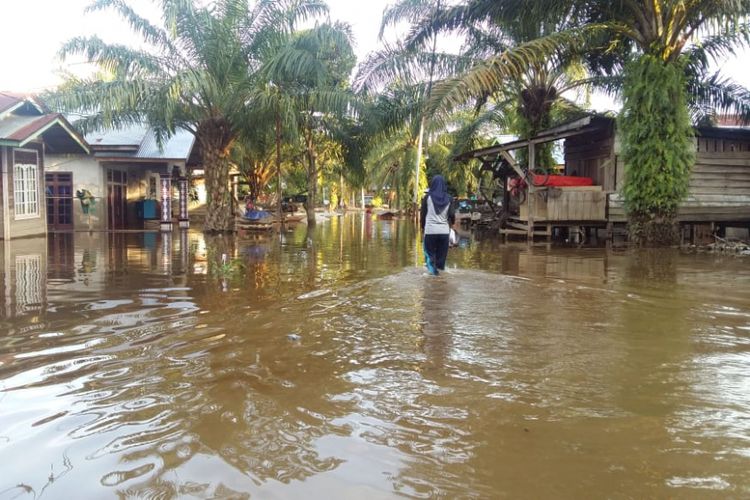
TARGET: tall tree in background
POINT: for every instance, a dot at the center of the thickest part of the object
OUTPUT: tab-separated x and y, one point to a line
310	72
414	12
514	80
197	72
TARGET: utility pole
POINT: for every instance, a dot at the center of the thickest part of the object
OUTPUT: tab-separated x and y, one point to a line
420	139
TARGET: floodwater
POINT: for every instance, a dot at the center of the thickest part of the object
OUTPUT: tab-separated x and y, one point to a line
330	365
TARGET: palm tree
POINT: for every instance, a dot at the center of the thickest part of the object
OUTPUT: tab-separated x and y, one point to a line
254	158
309	77
198	72
667	46
520	84
655	49
413	11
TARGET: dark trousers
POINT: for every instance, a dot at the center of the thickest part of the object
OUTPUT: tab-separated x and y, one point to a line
436	249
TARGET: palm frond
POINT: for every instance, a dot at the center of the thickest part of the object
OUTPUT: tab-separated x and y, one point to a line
718	95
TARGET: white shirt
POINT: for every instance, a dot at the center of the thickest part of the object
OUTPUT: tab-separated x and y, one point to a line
436	223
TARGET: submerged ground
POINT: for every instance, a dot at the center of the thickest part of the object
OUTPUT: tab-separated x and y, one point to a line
330	365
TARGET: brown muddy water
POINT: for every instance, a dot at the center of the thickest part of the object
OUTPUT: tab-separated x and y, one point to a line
330	365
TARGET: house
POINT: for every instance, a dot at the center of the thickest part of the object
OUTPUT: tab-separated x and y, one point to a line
128	182
588	193
28	134
53	179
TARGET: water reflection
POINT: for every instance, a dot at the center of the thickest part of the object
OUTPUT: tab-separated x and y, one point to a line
327	363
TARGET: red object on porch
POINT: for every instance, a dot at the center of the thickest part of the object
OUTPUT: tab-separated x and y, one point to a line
562	180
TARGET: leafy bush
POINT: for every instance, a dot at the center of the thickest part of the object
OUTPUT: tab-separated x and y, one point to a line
658	147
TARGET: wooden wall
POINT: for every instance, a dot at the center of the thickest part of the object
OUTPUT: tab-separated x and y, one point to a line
583	203
722	166
592	155
36	225
719	188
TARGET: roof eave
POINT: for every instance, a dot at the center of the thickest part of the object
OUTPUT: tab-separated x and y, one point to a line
58	121
563	131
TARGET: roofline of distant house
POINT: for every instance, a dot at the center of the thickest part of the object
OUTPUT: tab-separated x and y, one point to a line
21	102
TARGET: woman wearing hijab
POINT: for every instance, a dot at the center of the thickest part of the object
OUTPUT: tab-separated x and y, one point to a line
436	218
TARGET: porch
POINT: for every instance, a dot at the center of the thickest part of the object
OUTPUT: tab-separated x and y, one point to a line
543	205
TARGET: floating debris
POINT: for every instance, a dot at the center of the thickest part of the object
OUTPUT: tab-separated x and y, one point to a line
724	246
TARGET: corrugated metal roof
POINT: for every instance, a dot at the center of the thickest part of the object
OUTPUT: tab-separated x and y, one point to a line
176	146
13	123
126	136
7	101
11	100
28	130
17	130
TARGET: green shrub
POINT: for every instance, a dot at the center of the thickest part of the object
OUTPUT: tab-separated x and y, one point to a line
658	147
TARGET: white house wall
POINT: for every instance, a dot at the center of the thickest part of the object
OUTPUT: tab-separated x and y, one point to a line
87	174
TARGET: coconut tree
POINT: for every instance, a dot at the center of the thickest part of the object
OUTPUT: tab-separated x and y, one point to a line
196	71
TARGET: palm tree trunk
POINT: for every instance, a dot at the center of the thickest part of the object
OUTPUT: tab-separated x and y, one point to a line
341	200
279	193
215	142
418	166
312	178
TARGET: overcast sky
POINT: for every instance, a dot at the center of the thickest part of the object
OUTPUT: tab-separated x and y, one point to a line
33	31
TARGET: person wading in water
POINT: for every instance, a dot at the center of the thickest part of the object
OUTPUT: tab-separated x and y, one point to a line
436	218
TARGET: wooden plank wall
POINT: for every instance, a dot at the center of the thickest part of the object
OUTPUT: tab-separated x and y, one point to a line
592	155
577	204
587	203
719	188
724	173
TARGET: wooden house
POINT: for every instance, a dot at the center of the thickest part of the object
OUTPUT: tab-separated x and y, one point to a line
588	194
28	134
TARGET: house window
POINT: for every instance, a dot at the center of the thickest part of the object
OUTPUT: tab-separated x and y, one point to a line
25	184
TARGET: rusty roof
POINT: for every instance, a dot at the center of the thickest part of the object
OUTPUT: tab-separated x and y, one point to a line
30	127
8	101
18	130
11	101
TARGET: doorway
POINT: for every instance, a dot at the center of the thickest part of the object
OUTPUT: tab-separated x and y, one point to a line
117	198
59	195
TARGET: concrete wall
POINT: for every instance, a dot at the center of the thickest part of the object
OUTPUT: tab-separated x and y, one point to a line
90	173
87	174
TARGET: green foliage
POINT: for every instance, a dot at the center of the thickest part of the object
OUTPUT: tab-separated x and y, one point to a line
198	70
657	139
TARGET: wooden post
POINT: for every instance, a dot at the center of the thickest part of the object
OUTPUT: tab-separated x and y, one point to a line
530	188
